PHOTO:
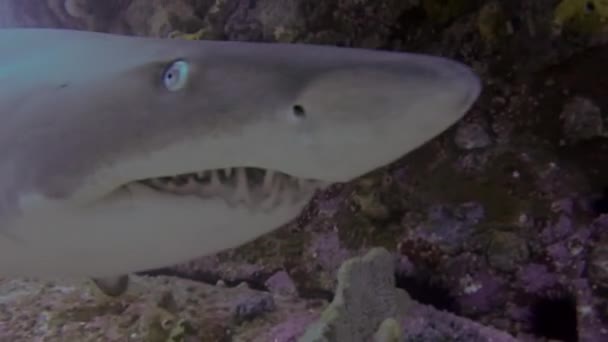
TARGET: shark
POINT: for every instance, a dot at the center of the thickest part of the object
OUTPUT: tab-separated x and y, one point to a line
121	154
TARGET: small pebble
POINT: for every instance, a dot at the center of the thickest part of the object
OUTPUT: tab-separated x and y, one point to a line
282	284
581	120
471	136
598	264
254	306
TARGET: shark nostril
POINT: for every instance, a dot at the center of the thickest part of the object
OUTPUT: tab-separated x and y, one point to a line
299	111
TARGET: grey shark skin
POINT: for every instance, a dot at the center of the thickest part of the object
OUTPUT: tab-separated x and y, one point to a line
90	121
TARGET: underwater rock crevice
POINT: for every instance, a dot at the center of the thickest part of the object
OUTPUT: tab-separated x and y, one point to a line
256	282
209	278
554	316
424	291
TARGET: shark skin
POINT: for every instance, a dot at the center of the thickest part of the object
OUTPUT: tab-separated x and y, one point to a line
110	145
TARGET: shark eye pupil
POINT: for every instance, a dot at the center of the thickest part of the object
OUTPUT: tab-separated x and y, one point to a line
176	75
299	111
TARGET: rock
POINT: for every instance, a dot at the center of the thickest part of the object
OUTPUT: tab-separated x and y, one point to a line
581	120
471	136
254	306
598	264
282	284
155	309
506	251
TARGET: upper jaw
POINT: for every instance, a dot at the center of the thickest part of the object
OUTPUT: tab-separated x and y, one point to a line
240	186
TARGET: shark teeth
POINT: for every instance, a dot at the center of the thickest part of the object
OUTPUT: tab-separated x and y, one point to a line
252	187
242	186
272	199
215	184
268	181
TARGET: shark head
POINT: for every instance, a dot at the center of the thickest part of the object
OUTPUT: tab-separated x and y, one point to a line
121	154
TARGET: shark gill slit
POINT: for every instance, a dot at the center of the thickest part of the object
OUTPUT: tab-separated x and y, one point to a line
249	186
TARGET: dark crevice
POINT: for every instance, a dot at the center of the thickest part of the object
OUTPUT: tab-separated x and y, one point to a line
255	282
409	21
427	292
600	204
315	294
554	317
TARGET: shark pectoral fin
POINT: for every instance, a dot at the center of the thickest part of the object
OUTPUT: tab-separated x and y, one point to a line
112	286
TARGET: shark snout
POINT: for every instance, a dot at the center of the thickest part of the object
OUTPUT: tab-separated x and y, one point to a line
435	92
462	81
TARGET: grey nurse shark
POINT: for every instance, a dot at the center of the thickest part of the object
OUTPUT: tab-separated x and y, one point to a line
122	154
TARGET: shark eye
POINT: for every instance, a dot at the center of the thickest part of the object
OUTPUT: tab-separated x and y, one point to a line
299	111
176	75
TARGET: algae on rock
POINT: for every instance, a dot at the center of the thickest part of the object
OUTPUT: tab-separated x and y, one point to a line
583	16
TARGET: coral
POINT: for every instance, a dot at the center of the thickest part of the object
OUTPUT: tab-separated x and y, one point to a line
367	306
389	331
157	309
365	297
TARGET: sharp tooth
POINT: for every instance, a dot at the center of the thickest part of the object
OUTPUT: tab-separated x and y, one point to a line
213	186
156	183
181	180
215	180
202	177
242	188
268	181
166	183
275	191
301	183
302	188
321	184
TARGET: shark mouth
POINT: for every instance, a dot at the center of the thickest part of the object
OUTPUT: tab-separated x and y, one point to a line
248	186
